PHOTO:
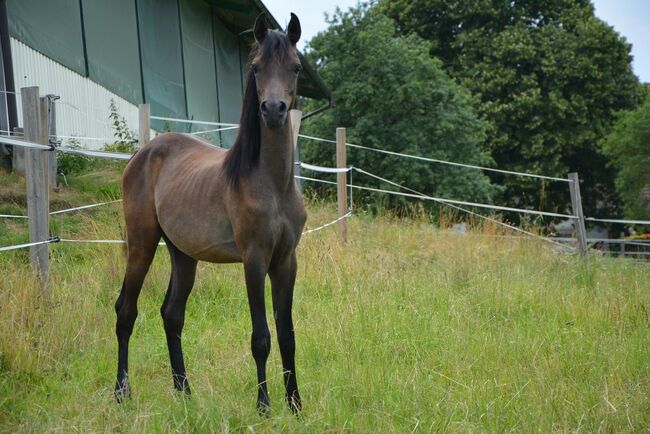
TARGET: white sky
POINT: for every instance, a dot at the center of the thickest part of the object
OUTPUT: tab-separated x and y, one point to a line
631	18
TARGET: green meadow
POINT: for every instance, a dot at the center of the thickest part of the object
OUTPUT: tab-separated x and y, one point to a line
409	327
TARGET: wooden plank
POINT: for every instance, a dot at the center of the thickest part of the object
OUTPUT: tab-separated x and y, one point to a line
576	204
341	181
36	168
18	155
144	124
295	117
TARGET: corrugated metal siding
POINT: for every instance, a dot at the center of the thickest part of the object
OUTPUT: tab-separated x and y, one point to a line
83	109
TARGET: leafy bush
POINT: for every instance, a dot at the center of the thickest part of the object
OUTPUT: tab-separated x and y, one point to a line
127	141
71	164
390	93
628	147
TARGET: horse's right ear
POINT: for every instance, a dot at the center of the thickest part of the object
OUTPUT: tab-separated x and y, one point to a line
260	29
293	29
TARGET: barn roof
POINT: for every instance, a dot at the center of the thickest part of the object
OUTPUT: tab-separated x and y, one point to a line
240	15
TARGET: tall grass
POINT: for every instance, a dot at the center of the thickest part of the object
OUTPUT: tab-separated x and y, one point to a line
407	327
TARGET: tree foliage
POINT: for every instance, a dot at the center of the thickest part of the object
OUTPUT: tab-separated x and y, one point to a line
549	76
628	146
390	93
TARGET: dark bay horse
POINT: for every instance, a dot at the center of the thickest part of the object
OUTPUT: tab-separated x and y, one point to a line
222	206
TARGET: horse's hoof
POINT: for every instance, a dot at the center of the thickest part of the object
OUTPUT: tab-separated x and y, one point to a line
182	385
264	409
295	404
122	391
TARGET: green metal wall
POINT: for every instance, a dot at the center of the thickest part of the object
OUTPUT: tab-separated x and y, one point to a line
177	55
161	55
174	54
52	27
199	62
229	77
113	55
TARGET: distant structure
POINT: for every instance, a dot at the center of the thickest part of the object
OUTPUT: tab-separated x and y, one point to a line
186	58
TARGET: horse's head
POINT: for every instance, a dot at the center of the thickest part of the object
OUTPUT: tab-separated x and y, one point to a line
276	67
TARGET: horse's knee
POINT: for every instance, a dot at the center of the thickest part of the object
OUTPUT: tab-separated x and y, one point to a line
261	345
120	301
173	319
125	320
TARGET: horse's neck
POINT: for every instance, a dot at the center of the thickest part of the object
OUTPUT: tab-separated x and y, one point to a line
276	155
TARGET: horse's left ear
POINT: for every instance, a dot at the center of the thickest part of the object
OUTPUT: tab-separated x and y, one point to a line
293	29
261	28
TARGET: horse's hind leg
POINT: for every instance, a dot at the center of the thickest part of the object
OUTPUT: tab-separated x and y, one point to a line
173	311
142	242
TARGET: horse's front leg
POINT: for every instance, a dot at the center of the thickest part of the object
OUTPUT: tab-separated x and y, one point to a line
283	278
255	268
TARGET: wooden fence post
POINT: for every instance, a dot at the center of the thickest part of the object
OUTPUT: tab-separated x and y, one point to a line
36	170
144	124
341	181
576	205
295	116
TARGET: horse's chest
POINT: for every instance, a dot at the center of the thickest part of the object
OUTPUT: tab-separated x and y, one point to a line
277	223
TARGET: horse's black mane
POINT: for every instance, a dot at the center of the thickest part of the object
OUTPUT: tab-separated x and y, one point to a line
244	155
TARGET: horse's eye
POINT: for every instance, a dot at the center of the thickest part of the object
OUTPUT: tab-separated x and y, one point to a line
255	68
298	68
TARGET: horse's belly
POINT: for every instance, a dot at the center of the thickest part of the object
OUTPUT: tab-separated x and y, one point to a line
205	239
220	253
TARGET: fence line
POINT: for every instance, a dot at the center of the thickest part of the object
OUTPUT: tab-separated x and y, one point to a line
216	130
12	216
84	207
630	222
99	154
190	121
95	139
68	240
424	196
24	143
340	171
36	243
62	211
434	160
322	169
437	199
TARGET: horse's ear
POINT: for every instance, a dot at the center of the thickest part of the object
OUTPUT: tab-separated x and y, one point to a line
293	29
260	29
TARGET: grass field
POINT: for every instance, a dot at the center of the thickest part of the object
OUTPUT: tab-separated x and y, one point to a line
407	328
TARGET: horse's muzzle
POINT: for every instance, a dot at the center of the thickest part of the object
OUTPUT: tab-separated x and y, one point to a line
274	113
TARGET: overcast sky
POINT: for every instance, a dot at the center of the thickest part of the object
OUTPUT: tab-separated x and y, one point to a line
631	18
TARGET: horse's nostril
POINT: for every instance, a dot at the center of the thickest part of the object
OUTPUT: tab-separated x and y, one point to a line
264	107
283	107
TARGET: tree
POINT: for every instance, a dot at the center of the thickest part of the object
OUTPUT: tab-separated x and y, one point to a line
549	76
390	93
628	147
